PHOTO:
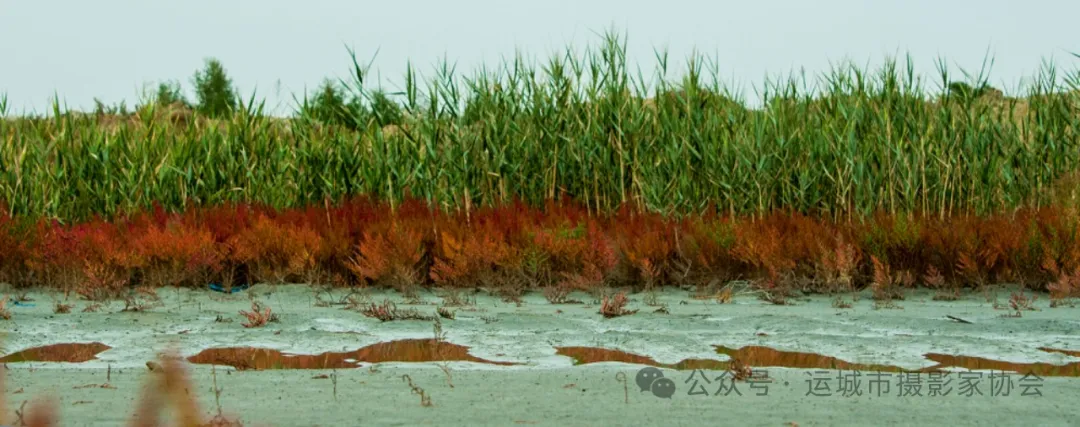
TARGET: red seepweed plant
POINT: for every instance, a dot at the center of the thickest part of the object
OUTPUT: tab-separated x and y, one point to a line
558	248
390	255
259	315
275	252
615	306
176	254
476	253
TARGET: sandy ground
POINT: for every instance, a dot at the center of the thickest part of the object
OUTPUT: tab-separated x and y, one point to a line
547	388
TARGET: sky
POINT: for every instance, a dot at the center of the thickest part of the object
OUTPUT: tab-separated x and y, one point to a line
110	49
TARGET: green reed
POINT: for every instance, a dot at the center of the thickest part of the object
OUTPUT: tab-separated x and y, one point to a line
583	127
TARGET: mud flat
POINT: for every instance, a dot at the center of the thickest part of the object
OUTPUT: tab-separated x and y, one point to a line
535	363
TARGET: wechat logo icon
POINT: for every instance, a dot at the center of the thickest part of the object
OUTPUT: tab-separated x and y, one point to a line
652	379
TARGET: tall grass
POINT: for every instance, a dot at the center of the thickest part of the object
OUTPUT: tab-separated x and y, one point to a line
580	126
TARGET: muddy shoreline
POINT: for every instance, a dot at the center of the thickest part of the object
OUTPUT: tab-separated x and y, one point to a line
545	364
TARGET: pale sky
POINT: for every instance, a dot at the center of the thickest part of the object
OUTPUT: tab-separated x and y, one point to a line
110	48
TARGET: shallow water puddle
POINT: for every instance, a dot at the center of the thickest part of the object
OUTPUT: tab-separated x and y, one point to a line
984	364
67	352
765	357
585	355
754	356
410	350
1072	353
760	356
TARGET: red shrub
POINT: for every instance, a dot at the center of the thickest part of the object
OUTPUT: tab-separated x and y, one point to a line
839	263
390	254
224	221
615	306
92	259
1055	241
1003	241
334	252
581	257
275	252
16	241
650	246
760	244
560	247
478	254
706	247
176	255
897	240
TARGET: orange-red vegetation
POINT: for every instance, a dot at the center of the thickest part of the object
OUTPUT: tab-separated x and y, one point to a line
615	306
556	248
258	317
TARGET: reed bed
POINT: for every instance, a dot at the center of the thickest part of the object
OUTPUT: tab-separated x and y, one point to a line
581	127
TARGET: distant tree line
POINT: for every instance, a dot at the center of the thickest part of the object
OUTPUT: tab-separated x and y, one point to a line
216	96
334	103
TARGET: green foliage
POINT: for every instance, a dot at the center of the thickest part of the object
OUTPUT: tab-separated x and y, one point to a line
214	90
581	127
101	108
332	104
170	93
966	92
386	111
